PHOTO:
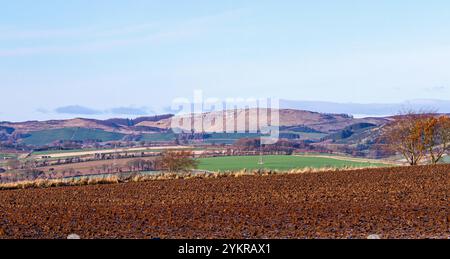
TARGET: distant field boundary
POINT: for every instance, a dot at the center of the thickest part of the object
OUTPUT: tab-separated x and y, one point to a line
108	151
353	159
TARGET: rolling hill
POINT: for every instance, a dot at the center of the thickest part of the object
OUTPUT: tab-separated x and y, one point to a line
313	121
294	124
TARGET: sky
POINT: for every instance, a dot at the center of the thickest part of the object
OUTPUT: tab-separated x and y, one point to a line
115	58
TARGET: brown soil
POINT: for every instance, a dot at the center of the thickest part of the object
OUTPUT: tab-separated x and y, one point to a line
393	203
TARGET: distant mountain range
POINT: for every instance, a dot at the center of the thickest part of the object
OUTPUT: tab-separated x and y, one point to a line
367	110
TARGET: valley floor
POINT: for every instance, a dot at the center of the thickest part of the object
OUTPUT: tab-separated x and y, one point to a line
403	202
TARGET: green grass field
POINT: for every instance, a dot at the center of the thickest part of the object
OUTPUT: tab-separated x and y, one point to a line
158	137
45	137
2	155
47	152
277	162
446	159
308	135
217	138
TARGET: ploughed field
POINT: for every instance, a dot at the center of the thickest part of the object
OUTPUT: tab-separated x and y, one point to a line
406	202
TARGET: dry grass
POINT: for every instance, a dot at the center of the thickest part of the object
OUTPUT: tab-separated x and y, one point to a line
58	183
119	178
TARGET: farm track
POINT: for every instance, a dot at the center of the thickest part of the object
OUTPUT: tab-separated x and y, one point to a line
401	202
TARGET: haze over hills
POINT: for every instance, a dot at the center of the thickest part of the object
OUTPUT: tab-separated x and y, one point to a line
369	109
360	110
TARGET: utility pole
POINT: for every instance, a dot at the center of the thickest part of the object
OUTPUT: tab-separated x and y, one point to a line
115	153
261	157
114	156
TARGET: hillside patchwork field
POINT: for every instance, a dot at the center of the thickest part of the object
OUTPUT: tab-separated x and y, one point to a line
295	124
45	137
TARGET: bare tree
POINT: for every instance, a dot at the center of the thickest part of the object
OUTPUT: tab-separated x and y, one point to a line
13	164
175	161
130	166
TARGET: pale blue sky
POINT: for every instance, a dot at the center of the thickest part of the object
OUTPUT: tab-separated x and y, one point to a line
116	56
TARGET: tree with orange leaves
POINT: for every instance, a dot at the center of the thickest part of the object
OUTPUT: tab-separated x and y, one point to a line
418	135
437	137
405	135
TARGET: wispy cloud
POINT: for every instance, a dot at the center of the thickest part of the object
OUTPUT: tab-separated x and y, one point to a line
42	110
77	110
96	39
82	110
439	88
131	111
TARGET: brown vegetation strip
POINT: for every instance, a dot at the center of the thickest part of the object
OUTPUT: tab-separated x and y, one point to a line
409	202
